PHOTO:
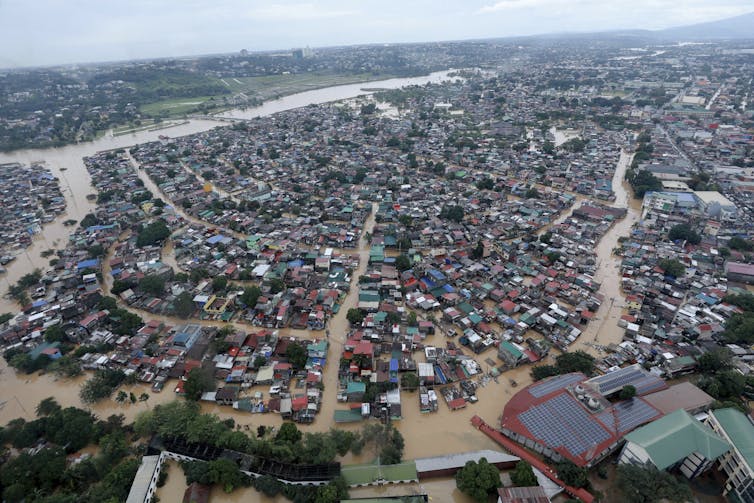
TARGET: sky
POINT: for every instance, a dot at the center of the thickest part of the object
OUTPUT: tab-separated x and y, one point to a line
50	32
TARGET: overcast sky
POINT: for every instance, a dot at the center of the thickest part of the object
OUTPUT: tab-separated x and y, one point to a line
45	32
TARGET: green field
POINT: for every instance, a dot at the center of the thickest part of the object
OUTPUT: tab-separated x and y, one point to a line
254	90
178	106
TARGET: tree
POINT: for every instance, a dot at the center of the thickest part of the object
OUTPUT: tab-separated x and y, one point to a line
478	480
523	475
717	360
740	244
409	381
144	397
276	285
102	385
627	392
197	382
412	319
225	473
47	407
478	251
684	232
335	490
572	475
297	356
152	284
647	484
153	233
55	333
740	328
402	262
250	296
121	397
643	181
744	301
288	434
672	267
543	371
355	316
219	283
184	305
452	213
576	361
532	193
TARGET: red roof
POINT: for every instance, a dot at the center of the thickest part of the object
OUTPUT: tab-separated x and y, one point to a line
457	403
299	403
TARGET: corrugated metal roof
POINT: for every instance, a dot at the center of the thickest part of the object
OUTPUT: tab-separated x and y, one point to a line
675	436
740	431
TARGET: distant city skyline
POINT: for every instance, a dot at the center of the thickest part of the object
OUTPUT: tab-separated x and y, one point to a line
51	32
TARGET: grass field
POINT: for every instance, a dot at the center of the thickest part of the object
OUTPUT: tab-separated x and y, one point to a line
255	90
177	106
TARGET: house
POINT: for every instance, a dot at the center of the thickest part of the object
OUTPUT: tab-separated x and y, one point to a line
676	440
738	463
739	271
535	494
511	354
227	395
196	493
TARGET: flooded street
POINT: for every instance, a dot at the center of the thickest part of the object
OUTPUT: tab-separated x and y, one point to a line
604	329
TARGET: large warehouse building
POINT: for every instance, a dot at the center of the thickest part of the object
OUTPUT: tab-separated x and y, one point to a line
569	416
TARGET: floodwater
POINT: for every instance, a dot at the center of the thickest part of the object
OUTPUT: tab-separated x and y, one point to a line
66	163
433	434
604	329
335	93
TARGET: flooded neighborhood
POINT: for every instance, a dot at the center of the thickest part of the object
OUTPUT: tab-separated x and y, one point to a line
372	288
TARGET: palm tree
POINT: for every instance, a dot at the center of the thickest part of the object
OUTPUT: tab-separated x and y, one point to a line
144	397
47	406
121	397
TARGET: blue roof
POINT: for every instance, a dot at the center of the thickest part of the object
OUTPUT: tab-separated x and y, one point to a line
116	271
430	284
448	288
38	303
86	264
436	274
296	263
215	239
393	365
95	228
707	299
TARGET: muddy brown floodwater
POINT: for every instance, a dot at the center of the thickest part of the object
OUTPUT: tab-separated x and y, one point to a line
440	433
604	329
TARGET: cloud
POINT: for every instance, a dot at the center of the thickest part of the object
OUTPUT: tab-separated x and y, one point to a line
504	5
295	12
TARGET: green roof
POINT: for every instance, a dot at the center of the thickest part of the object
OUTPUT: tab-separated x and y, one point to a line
740	431
347	416
673	437
356	387
511	349
367	474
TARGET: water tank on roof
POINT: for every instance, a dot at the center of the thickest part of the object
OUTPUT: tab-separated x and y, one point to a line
593	403
579	390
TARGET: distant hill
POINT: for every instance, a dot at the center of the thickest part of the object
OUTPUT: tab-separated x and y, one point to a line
739	27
